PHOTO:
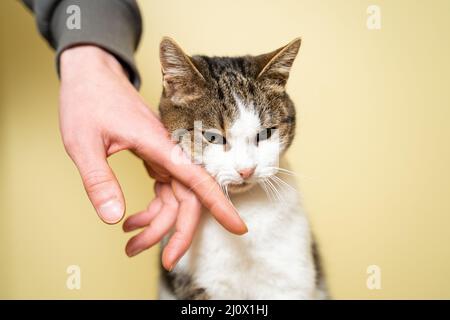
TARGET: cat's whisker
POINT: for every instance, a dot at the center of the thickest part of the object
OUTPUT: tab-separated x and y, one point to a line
281	184
223	179
212	187
264	187
272	194
275	182
224	187
228	196
279	180
275	190
282	170
226	192
279	190
292	173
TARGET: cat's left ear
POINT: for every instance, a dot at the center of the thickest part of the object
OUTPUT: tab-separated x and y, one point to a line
275	66
181	79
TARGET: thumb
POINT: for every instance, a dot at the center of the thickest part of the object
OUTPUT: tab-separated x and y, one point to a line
100	184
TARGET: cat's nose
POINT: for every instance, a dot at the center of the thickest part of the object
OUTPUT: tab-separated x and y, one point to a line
247	172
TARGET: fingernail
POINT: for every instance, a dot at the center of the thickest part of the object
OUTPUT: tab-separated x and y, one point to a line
111	211
127	227
243	226
242	231
133	253
173	265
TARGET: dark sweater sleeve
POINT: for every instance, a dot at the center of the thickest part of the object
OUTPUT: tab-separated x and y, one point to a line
114	25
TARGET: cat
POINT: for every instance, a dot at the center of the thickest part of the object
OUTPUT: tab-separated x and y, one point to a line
247	123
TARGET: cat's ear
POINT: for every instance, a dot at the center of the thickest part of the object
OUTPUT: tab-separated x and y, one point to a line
275	66
181	79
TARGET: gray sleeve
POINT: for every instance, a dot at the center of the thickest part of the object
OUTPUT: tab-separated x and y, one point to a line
114	25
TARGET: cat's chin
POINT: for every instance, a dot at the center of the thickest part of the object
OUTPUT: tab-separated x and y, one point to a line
241	187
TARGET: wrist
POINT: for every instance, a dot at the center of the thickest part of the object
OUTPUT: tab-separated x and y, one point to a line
87	58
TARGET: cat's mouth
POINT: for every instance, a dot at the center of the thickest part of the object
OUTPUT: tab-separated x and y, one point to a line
240	186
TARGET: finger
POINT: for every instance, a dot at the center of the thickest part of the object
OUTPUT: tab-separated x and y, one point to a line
173	159
157	174
158	186
210	195
143	218
158	227
189	213
100	183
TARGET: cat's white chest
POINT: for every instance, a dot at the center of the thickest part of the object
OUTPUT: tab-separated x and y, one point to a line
272	261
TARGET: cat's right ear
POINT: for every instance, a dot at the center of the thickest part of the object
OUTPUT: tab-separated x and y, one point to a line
181	79
276	65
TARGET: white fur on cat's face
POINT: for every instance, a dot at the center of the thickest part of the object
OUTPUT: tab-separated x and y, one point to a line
224	164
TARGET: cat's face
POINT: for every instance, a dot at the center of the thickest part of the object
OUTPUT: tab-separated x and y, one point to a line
231	115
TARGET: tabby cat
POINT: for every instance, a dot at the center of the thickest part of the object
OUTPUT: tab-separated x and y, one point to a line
246	122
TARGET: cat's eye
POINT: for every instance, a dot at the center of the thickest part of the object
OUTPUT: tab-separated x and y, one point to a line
214	137
264	134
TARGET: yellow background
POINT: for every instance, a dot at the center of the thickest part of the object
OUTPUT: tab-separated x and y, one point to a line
372	149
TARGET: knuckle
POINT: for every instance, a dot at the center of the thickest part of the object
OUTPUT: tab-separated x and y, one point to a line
140	137
195	182
71	144
95	180
145	244
181	239
191	199
172	205
134	139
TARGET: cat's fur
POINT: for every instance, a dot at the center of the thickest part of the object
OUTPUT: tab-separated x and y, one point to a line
240	98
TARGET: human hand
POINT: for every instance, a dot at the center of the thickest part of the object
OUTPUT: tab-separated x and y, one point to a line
101	113
175	205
